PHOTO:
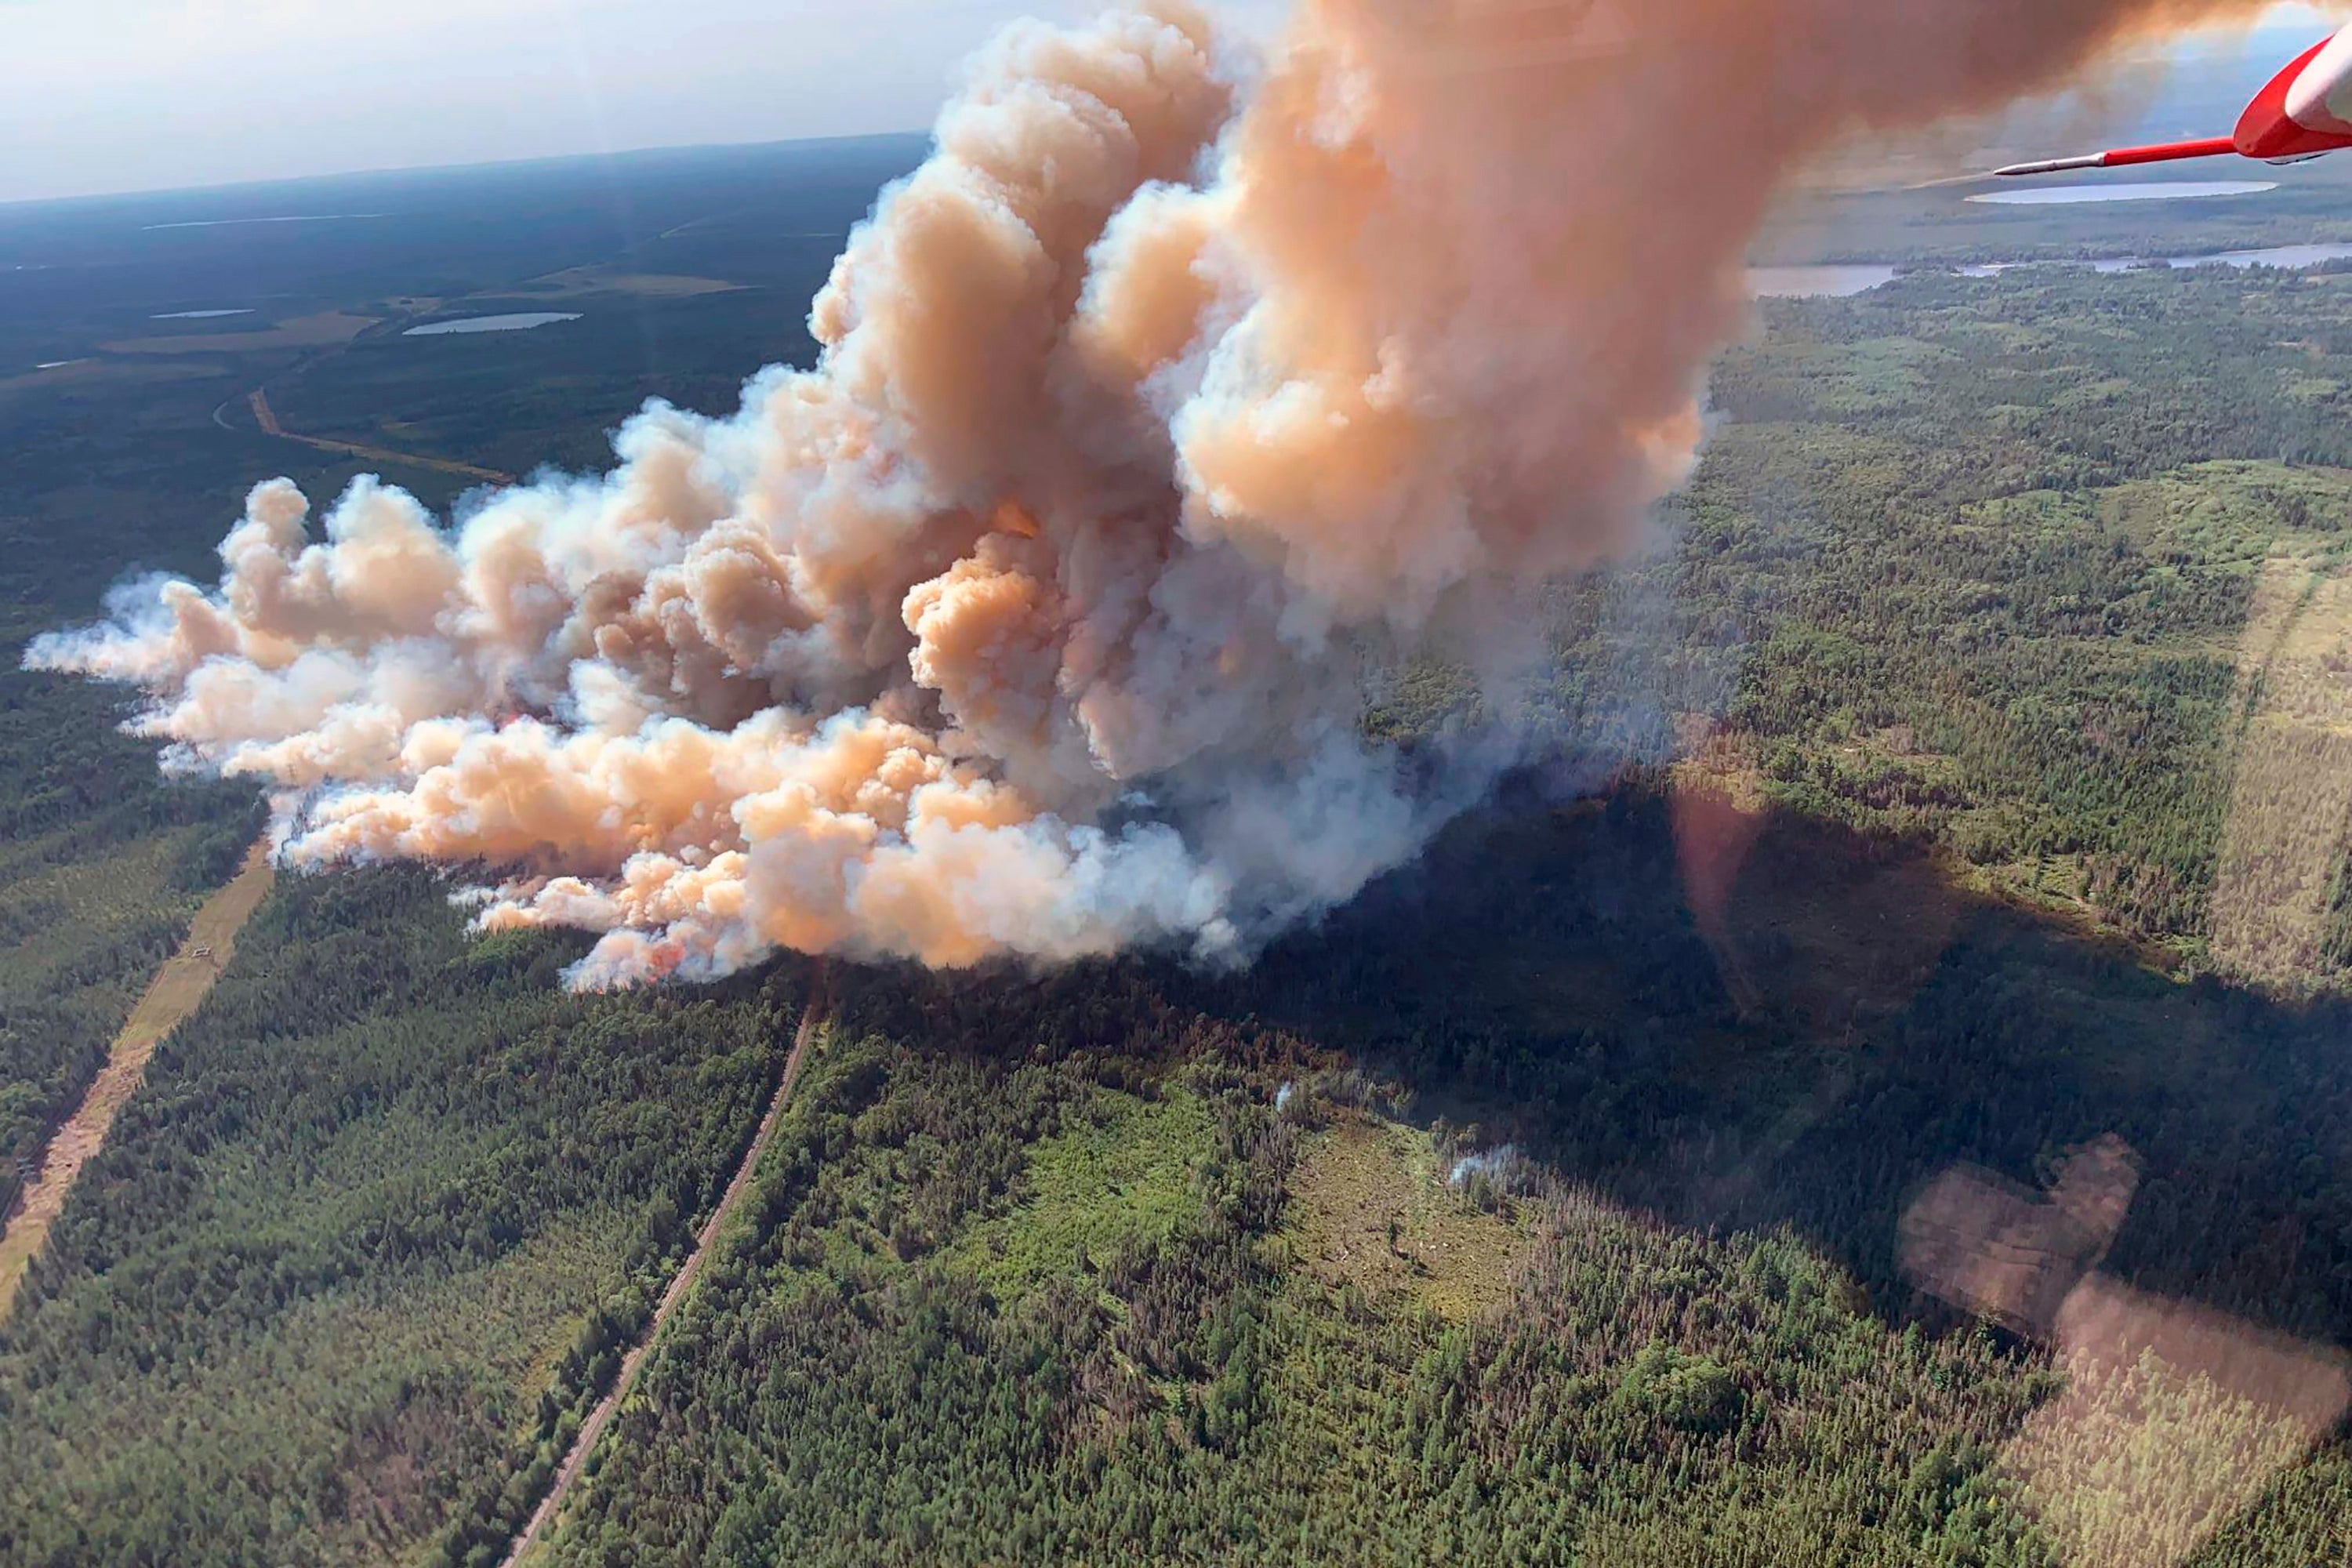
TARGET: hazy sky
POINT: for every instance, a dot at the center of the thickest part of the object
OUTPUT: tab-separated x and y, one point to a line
114	95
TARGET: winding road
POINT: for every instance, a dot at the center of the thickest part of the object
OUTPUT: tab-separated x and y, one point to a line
266	417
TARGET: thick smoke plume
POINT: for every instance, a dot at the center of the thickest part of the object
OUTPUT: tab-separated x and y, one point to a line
1035	619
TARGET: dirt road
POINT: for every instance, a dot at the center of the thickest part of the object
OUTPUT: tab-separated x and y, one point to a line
183	980
266	417
543	1518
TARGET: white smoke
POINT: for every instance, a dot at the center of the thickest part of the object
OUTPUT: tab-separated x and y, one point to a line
1505	1168
1171	394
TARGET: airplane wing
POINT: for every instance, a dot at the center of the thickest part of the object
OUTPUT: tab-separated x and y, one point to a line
2122	157
2306	110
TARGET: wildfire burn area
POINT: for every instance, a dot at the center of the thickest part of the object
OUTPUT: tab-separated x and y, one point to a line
1963	634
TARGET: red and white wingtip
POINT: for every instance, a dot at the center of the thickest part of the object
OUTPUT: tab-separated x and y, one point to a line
2305	111
2121	157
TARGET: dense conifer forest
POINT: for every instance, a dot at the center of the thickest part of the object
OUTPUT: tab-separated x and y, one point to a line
1960	785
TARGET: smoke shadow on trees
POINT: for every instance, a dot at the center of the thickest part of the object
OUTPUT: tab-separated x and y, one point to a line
1742	1022
1745	1022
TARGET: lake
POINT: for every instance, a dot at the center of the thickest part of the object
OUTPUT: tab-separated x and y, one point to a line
1833	282
1844	281
520	322
196	315
2164	191
2287	256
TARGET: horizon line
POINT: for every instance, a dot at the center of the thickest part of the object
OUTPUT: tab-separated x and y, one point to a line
2210	43
10	205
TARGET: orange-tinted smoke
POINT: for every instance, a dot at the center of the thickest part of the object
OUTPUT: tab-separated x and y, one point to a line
1031	620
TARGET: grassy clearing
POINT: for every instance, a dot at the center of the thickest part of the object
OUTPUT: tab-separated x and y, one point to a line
607	279
1371	1207
1126	1174
320	330
2291	799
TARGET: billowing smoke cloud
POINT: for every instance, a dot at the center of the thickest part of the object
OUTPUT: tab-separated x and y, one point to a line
1176	388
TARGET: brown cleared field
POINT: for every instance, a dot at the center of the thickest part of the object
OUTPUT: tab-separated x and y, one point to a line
606	280
2291	802
178	988
1448	1255
322	330
85	373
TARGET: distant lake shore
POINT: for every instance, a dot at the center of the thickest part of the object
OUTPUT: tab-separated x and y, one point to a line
2168	191
1844	280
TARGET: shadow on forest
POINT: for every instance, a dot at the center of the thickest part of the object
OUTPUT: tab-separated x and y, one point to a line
1742	1023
